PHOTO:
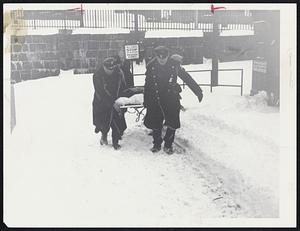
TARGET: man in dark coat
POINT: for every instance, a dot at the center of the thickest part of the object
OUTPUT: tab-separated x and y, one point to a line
109	84
162	98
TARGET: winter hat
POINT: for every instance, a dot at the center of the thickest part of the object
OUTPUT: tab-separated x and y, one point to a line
161	51
110	63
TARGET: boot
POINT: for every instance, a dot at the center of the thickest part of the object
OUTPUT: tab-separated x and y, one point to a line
168	150
97	130
155	148
116	144
157	140
103	140
169	139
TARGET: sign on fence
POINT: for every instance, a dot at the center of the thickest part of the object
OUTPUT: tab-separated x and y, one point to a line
132	51
260	66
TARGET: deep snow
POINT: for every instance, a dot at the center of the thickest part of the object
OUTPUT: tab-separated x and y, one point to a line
56	167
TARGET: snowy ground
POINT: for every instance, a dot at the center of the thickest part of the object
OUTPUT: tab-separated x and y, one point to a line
57	174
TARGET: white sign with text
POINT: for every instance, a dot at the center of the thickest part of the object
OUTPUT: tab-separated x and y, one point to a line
132	51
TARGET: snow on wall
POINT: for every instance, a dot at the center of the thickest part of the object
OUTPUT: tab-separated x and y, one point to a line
52	31
236	32
173	33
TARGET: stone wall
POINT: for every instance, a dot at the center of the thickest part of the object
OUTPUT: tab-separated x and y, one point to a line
90	50
33	57
38	56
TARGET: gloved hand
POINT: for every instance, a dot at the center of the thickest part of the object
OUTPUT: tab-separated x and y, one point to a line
200	97
177	57
117	108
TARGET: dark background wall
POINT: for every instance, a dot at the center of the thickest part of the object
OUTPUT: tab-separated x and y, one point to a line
191	48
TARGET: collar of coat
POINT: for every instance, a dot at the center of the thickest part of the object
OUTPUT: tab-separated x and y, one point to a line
170	59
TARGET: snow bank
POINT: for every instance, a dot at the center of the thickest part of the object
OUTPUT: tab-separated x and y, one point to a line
256	102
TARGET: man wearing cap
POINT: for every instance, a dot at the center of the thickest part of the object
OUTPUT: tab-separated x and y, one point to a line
109	85
162	98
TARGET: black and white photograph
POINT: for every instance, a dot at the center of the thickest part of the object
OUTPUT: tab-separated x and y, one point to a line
149	115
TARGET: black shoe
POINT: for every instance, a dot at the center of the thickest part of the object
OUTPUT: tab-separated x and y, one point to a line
155	148
168	150
103	140
116	146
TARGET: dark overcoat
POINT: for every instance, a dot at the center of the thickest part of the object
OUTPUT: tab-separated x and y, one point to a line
107	89
162	94
127	73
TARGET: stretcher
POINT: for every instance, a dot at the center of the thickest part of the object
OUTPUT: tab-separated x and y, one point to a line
137	109
133	104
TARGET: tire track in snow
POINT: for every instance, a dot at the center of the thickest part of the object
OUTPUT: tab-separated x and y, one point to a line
206	169
212	185
253	201
228	187
217	124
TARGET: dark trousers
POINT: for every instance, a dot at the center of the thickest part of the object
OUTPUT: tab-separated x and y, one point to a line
168	138
116	133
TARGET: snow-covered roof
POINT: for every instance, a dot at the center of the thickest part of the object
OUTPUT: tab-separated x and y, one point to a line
50	31
42	31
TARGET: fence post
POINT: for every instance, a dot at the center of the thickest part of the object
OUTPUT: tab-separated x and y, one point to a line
81	18
214	42
95	20
65	19
136	21
196	19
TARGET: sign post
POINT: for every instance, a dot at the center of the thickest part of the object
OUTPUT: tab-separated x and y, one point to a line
132	52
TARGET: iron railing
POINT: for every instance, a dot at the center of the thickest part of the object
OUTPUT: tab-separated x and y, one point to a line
141	20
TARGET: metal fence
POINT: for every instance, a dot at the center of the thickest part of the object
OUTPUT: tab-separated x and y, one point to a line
141	20
210	84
